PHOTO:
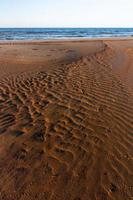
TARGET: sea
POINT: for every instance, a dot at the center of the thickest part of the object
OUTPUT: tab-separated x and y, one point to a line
62	33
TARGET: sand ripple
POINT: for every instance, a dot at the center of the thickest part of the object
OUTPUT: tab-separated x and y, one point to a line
67	134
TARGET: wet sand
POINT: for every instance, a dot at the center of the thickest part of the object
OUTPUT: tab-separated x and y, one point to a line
66	120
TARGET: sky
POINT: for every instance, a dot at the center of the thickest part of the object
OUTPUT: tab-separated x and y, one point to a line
66	13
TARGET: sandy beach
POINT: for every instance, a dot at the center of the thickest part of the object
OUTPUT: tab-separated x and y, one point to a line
66	120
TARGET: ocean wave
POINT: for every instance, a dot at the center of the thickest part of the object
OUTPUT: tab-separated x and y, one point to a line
57	33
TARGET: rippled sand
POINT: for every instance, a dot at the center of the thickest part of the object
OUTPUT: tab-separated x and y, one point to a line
66	120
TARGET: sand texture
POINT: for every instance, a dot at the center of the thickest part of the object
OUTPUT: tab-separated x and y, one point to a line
66	120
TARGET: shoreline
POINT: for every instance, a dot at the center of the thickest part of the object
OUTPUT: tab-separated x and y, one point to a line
67	40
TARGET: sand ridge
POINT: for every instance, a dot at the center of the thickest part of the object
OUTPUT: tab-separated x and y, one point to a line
66	121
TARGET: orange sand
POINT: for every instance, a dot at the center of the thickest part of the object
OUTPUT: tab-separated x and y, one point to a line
66	120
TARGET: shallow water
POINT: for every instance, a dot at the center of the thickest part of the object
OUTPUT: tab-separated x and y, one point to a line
62	33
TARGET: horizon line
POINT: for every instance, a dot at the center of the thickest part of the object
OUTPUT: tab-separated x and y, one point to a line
66	27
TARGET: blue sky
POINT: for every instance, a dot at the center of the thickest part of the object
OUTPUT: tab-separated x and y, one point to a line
66	13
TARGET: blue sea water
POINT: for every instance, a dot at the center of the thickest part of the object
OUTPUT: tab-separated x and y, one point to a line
62	33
